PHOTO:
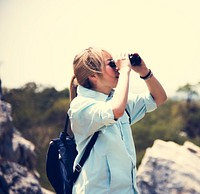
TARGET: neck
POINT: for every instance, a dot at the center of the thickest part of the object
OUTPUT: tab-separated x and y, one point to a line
103	90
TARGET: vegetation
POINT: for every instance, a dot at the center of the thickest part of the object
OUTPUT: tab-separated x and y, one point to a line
39	113
189	90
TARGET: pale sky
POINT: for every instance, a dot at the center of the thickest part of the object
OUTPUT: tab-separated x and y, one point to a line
39	38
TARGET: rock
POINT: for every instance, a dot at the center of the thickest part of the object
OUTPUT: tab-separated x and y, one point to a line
6	130
24	151
18	173
5	112
16	179
169	168
13	146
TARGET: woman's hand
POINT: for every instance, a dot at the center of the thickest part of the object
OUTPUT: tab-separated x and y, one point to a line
123	63
141	69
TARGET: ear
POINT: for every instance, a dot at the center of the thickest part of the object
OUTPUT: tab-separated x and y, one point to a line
93	78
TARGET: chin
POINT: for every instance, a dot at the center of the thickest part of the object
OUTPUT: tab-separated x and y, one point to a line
115	84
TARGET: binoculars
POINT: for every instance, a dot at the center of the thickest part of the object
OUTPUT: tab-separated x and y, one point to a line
135	60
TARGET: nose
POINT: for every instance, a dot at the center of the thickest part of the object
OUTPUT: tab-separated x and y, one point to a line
117	69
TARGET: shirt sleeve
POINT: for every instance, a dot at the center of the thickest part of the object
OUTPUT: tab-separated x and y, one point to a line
139	105
89	116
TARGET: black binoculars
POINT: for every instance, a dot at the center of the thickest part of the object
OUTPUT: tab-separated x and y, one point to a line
135	60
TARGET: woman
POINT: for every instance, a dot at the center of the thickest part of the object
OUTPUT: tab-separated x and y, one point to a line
97	106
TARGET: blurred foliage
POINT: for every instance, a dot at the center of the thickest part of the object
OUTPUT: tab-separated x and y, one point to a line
39	113
190	91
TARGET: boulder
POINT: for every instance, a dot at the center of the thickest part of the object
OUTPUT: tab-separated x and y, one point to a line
14	147
17	179
169	168
18	173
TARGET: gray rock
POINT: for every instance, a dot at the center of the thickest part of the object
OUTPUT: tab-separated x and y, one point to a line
18	173
16	179
13	146
169	168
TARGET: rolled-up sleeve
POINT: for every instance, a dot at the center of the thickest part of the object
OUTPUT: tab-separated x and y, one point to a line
138	105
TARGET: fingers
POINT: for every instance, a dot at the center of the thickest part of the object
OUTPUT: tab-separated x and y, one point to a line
123	55
122	60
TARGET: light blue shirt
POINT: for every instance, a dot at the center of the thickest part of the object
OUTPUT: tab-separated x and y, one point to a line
111	166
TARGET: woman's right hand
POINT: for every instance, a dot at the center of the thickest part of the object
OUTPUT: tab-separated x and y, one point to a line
123	62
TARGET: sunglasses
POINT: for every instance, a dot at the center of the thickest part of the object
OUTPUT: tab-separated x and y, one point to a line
112	64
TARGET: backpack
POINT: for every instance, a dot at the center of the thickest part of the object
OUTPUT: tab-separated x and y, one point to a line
60	161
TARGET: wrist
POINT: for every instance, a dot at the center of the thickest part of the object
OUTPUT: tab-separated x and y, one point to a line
125	70
144	72
147	76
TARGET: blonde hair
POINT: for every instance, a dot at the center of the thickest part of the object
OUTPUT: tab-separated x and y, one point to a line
88	62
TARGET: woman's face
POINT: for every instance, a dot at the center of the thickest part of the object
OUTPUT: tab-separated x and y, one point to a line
109	77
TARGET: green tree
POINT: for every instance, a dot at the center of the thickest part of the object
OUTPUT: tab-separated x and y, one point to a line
189	90
190	111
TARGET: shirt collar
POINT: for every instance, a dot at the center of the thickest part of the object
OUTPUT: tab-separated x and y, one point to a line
82	91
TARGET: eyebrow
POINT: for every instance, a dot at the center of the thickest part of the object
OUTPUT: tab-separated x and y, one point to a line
109	59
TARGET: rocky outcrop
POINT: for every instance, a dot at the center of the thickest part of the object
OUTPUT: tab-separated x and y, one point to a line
169	168
17	158
15	178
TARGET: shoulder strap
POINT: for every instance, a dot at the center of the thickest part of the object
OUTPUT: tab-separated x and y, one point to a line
128	115
66	124
67	129
85	156
86	152
91	143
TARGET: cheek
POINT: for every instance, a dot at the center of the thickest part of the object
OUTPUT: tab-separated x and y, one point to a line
110	71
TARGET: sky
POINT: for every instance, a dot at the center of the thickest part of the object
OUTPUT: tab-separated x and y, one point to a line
39	38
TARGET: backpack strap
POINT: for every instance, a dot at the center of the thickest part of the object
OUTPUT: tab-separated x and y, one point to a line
67	129
67	132
89	146
128	115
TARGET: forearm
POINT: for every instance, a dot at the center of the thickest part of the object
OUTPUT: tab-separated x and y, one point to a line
120	96
156	90
154	86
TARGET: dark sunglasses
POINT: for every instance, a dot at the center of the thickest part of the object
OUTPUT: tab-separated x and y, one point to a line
112	64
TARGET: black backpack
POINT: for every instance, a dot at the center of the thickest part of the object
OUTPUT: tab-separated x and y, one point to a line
60	160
